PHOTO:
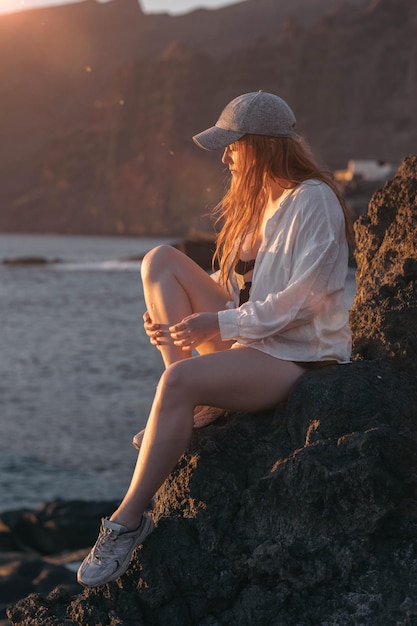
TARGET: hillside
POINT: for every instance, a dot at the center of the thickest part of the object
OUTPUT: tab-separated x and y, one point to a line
99	102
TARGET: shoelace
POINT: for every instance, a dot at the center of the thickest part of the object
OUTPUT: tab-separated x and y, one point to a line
105	543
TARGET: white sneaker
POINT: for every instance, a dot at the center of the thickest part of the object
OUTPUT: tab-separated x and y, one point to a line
110	556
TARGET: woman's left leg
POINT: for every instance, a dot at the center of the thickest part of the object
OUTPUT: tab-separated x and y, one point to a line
241	379
235	379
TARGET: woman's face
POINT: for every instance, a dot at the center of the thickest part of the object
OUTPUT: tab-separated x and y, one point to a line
231	158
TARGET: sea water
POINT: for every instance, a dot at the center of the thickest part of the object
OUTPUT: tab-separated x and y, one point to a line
77	371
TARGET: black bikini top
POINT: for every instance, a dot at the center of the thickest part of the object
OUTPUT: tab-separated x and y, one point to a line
241	269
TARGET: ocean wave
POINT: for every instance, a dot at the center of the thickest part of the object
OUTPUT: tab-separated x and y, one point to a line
99	266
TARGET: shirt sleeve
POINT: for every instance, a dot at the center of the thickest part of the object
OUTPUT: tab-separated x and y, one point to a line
316	241
215	276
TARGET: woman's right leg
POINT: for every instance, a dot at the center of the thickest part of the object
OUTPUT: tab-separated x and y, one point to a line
175	287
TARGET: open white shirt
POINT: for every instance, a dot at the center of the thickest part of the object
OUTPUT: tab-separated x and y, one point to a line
296	309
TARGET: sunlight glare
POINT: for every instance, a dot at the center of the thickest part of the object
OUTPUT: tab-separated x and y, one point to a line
148	6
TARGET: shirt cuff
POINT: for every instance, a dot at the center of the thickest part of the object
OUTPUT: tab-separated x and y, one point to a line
228	324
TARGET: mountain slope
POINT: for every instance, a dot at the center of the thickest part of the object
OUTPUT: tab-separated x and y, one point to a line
99	102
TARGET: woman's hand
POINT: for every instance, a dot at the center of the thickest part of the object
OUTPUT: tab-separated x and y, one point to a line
194	330
152	330
187	334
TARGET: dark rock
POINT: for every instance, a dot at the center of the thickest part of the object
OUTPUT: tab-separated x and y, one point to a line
295	516
29	260
56	526
384	313
135	258
22	575
7	541
358	193
303	515
199	250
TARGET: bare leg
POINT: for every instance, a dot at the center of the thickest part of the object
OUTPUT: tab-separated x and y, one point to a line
174	287
237	379
203	416
241	378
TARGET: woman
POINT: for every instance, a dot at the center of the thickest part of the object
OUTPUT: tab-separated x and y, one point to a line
273	310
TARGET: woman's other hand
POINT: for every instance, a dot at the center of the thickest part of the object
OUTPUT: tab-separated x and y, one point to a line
194	330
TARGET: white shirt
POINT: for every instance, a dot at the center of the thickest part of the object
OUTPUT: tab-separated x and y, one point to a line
296	309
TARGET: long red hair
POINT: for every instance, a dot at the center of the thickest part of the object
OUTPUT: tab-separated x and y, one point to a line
262	158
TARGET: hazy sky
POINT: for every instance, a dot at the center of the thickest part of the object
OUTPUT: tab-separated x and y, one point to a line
149	6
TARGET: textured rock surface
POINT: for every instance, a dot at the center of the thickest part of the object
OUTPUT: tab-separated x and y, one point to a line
384	313
37	547
303	515
55	527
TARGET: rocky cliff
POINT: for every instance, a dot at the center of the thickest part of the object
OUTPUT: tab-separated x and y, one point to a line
306	514
384	315
99	102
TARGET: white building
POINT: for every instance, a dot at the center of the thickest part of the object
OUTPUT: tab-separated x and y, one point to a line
365	169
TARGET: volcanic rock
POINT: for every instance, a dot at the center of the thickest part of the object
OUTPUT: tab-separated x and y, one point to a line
384	313
56	526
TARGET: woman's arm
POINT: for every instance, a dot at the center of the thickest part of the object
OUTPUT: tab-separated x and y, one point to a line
318	255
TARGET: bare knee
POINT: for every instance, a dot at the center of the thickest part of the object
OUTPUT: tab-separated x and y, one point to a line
155	261
174	384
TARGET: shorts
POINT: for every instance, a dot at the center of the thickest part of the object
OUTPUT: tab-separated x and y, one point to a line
315	365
